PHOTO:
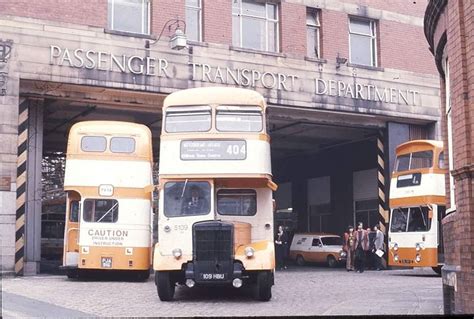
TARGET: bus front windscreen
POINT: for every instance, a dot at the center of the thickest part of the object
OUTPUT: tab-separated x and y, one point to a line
187	198
413	219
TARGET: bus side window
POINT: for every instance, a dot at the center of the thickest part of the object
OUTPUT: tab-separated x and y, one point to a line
74	212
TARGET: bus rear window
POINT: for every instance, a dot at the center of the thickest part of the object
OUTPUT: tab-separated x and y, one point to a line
239	121
415	160
184	119
93	144
100	210
122	145
240	202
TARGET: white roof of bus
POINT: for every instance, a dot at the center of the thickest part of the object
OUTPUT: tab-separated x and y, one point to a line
215	95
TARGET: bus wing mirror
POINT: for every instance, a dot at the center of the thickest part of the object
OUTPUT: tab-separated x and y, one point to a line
274	206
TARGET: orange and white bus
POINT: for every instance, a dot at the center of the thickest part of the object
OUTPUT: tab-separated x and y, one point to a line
215	183
108	182
417	202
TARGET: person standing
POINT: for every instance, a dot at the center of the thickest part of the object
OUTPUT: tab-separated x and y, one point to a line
361	246
370	254
281	242
378	246
349	240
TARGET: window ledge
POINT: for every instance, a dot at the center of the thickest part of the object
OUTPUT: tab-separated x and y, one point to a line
129	34
197	43
311	59
367	67
246	50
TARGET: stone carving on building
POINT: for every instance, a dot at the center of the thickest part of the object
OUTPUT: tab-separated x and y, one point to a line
5	53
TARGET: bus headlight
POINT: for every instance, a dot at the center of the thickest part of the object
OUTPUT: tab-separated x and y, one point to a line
418	258
395	258
167	228
418	247
249	252
177	253
395	247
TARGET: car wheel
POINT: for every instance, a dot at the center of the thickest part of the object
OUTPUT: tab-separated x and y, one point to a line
165	286
300	260
332	262
437	269
264	286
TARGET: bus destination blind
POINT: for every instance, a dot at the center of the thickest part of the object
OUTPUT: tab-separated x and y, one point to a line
213	150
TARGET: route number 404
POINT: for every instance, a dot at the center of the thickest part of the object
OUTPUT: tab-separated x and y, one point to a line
234	149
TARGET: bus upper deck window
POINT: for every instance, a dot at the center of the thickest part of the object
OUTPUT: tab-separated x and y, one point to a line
187	198
100	210
239	119
416	160
240	202
188	119
122	145
93	143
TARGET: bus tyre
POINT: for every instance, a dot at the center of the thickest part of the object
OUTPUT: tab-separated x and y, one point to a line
264	286
72	274
332	262
164	285
143	275
300	260
437	269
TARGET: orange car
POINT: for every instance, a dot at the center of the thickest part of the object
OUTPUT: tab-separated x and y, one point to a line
318	248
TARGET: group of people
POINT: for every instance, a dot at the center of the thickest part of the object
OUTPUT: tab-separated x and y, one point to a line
363	248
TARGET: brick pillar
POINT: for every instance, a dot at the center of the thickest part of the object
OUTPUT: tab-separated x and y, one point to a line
293	29
217	21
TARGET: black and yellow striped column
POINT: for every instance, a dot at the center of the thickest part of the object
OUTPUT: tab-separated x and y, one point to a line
21	187
383	209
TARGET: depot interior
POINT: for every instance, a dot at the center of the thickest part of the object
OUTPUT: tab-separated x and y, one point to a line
324	163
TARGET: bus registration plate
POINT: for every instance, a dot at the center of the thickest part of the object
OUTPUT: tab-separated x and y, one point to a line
212	276
106	262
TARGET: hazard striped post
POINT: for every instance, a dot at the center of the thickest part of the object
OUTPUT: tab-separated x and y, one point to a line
21	187
383	205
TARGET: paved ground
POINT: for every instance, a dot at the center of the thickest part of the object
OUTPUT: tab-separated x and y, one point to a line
306	290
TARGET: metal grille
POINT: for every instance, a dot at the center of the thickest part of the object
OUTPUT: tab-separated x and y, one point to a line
213	241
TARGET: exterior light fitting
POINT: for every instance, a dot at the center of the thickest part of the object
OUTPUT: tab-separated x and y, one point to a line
178	40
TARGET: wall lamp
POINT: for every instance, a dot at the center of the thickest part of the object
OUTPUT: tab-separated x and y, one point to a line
340	61
177	40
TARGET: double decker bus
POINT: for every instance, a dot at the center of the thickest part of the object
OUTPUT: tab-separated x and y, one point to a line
417	202
108	183
215	185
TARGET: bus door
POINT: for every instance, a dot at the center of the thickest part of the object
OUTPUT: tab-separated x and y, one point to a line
71	233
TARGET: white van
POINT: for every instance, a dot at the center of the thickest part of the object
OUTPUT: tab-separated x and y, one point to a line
318	248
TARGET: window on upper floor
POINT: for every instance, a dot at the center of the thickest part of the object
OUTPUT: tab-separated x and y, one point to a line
129	16
313	33
362	41
255	25
194	20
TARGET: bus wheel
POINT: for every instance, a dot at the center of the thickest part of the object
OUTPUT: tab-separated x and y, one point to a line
142	275
264	286
332	262
164	285
300	260
72	274
437	269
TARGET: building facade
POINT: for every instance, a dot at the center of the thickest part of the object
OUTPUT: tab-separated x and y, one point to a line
449	29
346	82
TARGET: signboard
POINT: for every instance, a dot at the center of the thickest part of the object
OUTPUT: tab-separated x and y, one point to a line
409	180
213	150
5	182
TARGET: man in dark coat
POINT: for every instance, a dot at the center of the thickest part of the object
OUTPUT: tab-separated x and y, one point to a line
361	246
